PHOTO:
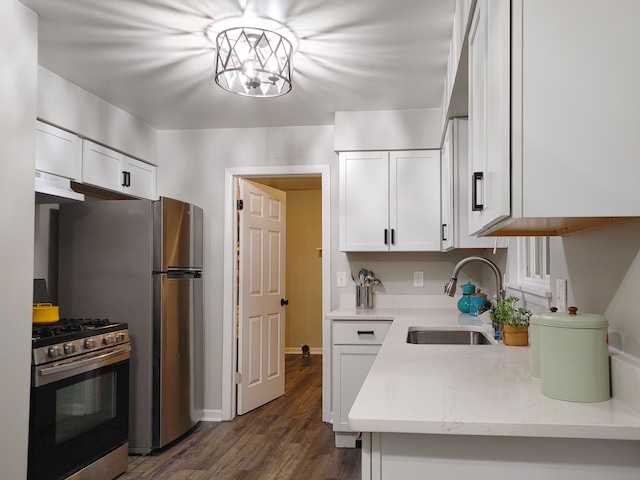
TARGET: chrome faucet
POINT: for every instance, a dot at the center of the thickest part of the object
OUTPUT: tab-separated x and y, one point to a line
450	287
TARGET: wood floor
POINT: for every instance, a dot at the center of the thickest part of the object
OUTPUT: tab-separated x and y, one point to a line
285	439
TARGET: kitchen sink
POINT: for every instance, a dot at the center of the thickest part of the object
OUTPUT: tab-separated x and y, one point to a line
422	336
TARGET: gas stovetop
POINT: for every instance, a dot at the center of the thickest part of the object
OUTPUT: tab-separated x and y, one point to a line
69	337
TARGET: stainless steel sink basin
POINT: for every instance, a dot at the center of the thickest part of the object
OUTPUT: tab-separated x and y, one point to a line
422	336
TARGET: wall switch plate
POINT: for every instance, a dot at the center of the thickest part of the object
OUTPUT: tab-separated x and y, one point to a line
341	280
418	279
561	294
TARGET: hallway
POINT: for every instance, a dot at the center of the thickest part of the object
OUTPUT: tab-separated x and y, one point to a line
285	439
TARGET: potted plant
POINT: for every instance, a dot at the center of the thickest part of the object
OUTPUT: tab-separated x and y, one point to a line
512	321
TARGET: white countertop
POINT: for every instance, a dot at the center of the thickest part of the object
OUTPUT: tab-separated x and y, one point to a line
468	389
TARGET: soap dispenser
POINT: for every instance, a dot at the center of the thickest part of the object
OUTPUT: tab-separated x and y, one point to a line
467	289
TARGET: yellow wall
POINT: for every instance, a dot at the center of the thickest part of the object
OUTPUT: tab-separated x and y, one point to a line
304	270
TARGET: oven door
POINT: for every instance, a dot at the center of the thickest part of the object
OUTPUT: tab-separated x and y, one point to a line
80	417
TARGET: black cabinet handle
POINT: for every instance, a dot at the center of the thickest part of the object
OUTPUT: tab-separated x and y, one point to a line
444	229
366	332
386	236
477	179
393	236
126	179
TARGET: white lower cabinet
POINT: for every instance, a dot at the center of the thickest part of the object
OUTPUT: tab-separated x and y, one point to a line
393	456
355	346
114	171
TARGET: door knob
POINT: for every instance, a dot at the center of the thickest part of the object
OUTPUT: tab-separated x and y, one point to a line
284	302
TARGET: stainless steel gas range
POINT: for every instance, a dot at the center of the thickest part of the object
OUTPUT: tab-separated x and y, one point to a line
79	414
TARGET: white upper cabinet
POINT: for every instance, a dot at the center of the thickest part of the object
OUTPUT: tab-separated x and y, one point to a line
390	201
457	145
489	122
553	115
112	170
58	151
448	184
141	178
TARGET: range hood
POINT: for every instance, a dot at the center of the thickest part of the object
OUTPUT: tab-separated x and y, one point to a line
54	189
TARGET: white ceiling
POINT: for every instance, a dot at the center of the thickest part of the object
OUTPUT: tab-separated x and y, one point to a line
152	59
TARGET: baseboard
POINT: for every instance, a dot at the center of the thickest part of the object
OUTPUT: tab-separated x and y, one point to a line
211	415
298	350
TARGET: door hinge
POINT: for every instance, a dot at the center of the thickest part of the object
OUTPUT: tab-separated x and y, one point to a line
237	378
239	205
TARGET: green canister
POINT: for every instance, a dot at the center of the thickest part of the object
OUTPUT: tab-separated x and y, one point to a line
574	356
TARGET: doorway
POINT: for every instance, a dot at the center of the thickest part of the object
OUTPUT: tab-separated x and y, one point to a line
229	347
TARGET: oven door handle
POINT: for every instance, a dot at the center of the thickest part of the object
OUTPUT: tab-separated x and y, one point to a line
103	360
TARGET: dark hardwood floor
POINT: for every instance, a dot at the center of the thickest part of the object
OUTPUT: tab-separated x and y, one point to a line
285	439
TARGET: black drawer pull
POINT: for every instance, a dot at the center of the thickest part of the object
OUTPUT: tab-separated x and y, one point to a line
366	332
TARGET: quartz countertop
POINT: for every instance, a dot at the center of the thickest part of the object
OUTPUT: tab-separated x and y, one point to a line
468	389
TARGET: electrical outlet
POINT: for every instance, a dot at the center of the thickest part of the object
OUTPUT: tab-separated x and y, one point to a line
418	279
341	280
561	294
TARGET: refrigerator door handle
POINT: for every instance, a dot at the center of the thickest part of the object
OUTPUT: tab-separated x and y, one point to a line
179	273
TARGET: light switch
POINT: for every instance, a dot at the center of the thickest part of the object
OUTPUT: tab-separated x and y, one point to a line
561	294
341	280
418	279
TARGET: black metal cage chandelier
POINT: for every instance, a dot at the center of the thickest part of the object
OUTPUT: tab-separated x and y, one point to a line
253	62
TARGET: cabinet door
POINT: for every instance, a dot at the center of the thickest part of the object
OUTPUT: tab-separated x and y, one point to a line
101	166
141	179
489	114
447	229
364	197
351	364
414	200
58	151
460	150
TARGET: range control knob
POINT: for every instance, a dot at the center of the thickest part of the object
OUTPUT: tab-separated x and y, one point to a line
70	348
55	351
109	339
120	337
90	343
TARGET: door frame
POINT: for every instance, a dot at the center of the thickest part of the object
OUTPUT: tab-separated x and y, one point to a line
229	348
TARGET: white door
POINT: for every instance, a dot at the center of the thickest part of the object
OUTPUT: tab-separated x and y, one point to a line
261	295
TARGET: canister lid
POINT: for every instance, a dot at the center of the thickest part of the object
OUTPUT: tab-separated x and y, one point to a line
569	320
468	288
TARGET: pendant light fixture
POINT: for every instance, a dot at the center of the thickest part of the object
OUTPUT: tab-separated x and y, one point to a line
253	62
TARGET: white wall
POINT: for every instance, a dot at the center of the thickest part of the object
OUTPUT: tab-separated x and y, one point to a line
18	61
603	270
192	167
418	129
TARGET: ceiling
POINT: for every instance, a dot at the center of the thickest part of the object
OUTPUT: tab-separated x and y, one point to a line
153	59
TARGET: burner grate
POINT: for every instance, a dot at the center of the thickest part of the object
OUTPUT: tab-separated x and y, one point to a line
68	326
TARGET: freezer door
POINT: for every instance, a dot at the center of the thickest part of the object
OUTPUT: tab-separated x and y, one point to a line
178	225
177	355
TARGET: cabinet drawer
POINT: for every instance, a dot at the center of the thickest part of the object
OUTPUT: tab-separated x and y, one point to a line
357	332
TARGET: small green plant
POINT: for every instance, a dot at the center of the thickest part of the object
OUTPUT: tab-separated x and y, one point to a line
506	313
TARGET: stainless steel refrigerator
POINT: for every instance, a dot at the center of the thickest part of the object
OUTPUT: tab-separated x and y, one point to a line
140	262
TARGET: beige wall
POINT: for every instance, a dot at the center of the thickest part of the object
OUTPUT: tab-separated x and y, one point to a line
304	270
